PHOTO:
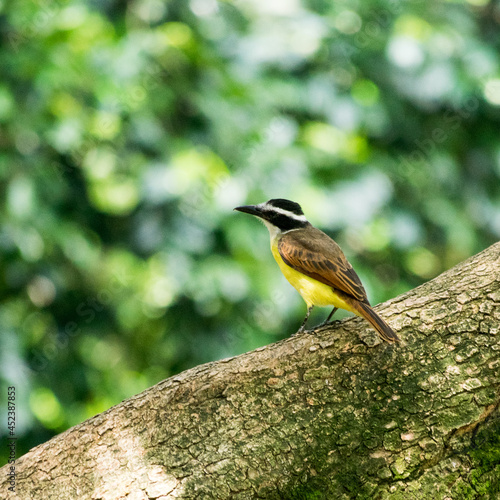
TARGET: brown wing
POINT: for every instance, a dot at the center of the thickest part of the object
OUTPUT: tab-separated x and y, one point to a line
313	253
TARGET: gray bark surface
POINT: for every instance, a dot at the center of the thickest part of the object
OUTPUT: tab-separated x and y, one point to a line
331	415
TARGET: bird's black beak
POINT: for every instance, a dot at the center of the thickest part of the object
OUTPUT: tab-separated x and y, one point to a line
250	209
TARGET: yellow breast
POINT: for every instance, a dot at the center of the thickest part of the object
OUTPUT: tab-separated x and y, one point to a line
312	291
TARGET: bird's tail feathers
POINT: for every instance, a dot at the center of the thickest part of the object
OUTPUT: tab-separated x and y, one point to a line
384	330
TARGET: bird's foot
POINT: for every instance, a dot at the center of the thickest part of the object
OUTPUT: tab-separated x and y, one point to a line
327	323
302	330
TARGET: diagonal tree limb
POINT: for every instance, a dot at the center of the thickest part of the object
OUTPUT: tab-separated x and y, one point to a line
333	415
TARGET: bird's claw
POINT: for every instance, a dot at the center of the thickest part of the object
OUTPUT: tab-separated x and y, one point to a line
327	323
301	331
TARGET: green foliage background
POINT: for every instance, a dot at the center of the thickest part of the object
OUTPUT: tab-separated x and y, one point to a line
129	131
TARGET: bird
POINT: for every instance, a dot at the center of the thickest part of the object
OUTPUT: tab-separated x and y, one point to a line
314	264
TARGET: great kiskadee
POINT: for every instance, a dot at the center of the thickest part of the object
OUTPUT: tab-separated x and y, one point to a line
314	264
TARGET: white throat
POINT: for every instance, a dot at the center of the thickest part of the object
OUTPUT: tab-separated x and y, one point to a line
274	232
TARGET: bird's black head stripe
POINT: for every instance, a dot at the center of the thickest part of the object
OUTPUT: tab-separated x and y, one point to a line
285	223
289	206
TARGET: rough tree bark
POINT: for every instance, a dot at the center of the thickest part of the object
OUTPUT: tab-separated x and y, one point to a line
333	415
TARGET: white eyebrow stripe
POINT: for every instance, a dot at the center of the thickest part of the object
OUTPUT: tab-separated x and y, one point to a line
282	211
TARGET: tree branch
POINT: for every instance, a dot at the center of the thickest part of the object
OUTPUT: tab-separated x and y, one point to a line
335	414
